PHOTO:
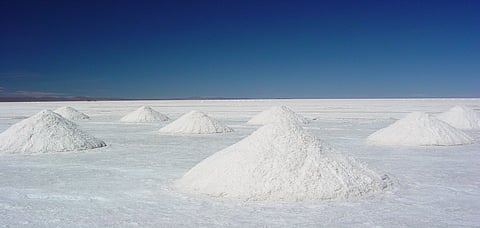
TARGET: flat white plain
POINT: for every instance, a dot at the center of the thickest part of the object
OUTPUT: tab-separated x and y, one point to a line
129	182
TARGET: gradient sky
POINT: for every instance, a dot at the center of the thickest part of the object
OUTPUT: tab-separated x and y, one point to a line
240	48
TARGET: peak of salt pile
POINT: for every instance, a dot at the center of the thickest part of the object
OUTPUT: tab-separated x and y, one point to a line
196	122
461	117
44	132
281	162
277	114
71	113
144	114
419	129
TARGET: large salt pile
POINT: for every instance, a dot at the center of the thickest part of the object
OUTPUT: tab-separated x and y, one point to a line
44	132
144	114
277	114
281	162
461	117
196	122
419	129
71	113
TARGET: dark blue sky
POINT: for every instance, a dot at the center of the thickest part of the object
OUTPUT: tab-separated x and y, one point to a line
240	48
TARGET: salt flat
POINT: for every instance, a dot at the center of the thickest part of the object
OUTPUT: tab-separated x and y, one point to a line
129	182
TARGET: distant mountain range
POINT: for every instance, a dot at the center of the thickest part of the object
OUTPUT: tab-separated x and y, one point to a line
83	98
26	99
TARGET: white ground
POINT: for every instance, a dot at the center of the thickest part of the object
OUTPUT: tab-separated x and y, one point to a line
129	182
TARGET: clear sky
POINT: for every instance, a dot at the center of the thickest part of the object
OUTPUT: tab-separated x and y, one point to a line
241	48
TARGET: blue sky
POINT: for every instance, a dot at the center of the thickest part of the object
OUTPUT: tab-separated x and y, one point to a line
295	49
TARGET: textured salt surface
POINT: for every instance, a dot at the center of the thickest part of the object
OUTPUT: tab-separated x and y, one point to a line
129	183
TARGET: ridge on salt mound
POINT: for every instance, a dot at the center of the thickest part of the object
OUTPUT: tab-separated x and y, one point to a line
196	122
45	132
71	113
419	129
277	114
461	117
281	162
144	114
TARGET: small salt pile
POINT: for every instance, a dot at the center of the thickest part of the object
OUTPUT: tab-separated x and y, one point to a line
277	114
196	122
71	113
461	117
144	114
419	129
45	132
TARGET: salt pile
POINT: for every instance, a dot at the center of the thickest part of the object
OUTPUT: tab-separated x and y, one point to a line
44	132
419	129
281	162
277	114
71	113
144	114
461	117
196	122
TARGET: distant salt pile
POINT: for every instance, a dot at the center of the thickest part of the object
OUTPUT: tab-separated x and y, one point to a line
144	114
45	132
461	117
277	114
71	113
419	129
196	122
281	162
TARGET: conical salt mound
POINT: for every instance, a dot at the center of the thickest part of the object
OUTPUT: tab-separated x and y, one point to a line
71	113
461	117
419	129
196	122
45	132
144	114
281	162
277	114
